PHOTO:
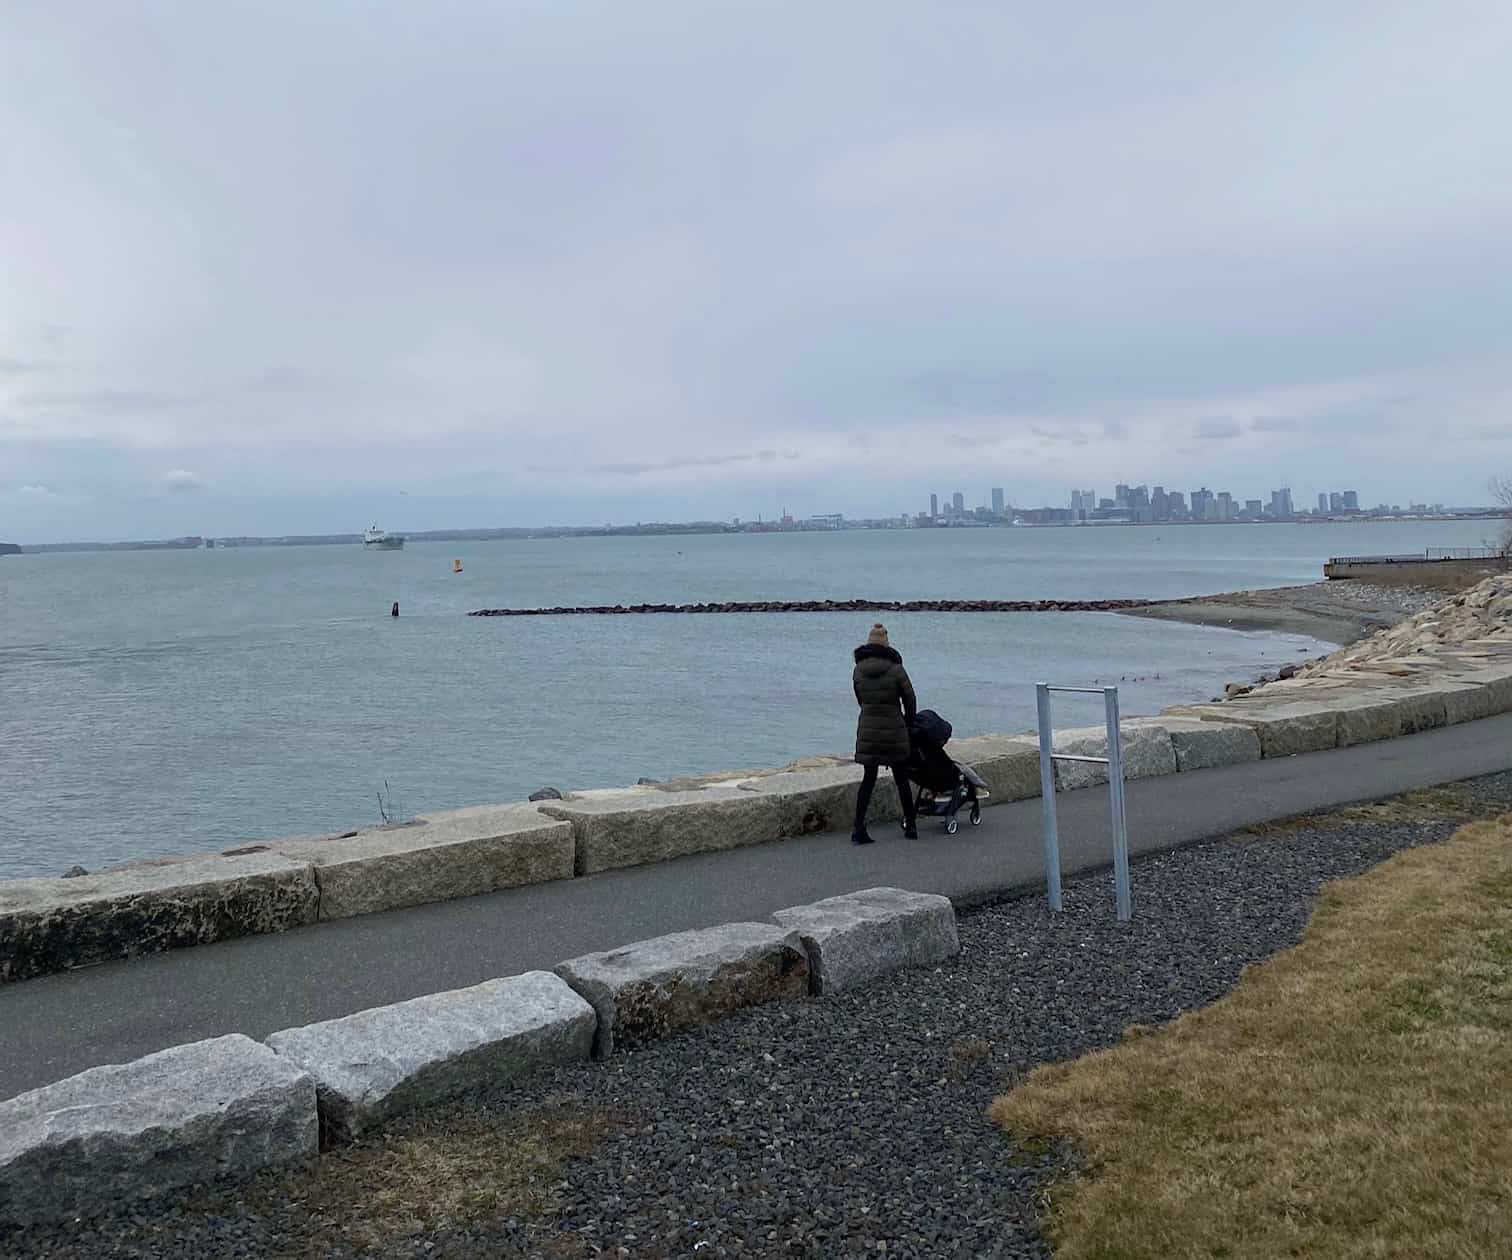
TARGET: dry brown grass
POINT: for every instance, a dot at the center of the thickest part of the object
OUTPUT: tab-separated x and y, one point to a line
426	1176
1350	1098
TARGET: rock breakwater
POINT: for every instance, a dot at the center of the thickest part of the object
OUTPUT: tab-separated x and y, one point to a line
831	606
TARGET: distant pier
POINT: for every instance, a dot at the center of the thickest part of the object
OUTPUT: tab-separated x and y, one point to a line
831	606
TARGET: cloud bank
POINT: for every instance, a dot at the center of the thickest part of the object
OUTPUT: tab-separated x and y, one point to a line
483	264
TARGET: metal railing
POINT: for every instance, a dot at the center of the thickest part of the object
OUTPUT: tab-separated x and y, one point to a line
1433	553
1114	761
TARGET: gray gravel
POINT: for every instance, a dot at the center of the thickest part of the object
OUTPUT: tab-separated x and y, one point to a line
1406	600
856	1125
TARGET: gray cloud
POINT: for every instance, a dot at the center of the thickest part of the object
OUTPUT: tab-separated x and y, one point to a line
182	481
103	401
10	366
1218	428
281	378
638	468
477	248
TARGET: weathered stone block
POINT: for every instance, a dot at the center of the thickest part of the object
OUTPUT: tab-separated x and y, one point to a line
1008	763
1364	718
227	1108
1284	729
633	826
1145	747
1200	745
51	925
1480	693
862	936
654	988
380	1063
819	799
458	853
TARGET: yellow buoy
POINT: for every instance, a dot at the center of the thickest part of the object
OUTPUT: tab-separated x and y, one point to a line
456	566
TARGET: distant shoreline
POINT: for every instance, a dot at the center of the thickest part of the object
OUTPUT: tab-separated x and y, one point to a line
712	528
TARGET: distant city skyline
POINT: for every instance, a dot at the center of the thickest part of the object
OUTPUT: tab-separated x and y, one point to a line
1141	504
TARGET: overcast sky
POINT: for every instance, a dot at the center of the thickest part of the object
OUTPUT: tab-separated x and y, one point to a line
273	267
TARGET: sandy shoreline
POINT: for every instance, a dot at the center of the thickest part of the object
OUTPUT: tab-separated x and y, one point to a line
1335	612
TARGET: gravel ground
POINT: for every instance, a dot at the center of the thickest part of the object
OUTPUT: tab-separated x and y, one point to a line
855	1125
1403	599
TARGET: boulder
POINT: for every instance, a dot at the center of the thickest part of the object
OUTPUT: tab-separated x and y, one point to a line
1008	763
633	826
49	925
380	1063
458	853
862	936
1145	747
1200	745
654	988
224	1108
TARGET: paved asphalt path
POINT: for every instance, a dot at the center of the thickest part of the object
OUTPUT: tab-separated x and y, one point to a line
57	1025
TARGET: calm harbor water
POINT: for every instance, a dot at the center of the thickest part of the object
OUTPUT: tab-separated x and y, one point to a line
167	702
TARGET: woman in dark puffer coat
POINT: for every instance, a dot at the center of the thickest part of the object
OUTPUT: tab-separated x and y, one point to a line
886	697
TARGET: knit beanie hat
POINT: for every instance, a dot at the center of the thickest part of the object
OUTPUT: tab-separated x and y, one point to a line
878	634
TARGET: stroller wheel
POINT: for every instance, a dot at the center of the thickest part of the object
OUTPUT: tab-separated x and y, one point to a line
951	826
976	814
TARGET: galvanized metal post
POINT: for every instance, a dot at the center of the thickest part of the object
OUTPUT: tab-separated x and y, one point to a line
1116	804
1047	799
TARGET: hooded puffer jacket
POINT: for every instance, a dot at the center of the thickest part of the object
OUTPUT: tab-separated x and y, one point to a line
887	701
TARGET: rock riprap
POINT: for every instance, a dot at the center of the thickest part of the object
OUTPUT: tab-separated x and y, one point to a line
657	987
1479	615
862	936
223	1108
827	606
388	1060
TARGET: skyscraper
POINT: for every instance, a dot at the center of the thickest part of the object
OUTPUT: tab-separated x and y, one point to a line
1323	503
1351	500
958	502
1281	504
1335	502
934	507
1200	500
997	501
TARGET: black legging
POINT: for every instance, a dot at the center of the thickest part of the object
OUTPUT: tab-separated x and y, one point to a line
869	781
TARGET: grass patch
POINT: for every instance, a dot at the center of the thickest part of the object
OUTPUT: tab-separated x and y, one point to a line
429	1175
1348	1099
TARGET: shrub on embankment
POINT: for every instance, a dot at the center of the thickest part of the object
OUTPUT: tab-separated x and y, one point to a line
1348	1099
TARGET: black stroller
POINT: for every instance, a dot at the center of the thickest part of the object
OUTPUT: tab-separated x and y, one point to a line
944	786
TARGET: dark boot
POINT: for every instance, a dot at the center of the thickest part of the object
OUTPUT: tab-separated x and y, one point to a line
910	829
860	835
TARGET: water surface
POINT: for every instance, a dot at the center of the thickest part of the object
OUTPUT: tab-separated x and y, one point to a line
161	702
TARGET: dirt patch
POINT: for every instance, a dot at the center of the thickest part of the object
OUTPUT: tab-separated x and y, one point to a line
1428	805
427	1176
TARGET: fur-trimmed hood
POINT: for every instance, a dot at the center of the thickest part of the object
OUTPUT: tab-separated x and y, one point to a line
878	652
